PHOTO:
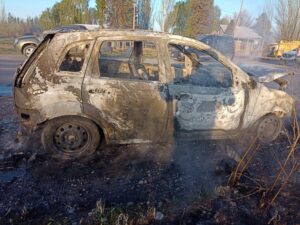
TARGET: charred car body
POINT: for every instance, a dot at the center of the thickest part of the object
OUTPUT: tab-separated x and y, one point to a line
84	88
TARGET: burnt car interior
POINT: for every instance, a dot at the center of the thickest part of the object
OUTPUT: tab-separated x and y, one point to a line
129	60
74	59
199	68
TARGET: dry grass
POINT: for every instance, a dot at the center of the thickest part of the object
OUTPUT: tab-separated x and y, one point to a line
287	166
103	215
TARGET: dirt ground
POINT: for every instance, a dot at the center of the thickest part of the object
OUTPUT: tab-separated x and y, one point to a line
182	184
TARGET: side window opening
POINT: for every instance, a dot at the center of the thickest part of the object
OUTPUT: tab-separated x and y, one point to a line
74	58
129	60
195	67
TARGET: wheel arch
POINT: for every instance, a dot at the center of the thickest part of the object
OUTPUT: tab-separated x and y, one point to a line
27	44
72	109
102	132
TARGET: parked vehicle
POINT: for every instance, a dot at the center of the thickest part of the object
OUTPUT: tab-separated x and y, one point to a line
223	43
178	55
290	55
88	88
277	49
27	43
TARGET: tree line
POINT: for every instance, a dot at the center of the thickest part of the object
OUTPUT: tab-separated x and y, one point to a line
11	25
107	13
185	17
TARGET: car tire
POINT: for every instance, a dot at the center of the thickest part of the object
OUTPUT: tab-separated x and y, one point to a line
268	128
28	50
70	137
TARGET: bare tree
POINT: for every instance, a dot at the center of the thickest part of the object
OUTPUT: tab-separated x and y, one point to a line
162	15
144	12
225	20
3	16
120	14
170	21
263	26
201	19
243	18
288	19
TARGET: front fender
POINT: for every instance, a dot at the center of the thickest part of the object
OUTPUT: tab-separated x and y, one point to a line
263	101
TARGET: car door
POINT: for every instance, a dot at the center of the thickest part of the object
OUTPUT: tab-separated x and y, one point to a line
204	94
126	91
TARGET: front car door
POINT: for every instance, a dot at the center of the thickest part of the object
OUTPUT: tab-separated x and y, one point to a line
204	94
124	88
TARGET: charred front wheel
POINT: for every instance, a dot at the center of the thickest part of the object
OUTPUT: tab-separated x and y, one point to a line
269	128
70	138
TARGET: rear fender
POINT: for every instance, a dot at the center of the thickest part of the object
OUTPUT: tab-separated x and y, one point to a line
59	109
62	109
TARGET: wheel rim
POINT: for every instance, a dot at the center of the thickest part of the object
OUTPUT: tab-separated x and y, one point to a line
28	51
71	138
269	129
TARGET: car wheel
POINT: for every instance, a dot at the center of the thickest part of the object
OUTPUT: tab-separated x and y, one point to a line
268	128
70	137
28	50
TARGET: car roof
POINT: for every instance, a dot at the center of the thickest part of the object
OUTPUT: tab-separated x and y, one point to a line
124	32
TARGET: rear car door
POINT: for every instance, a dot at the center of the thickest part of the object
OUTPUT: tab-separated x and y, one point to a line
126	91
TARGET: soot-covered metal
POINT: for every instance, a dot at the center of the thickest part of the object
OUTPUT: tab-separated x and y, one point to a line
130	87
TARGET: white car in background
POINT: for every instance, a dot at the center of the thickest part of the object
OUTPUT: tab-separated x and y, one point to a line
290	55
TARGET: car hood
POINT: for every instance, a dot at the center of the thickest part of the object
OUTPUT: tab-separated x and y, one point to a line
275	77
26	37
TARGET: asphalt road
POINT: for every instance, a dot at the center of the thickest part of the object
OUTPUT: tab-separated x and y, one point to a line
8	66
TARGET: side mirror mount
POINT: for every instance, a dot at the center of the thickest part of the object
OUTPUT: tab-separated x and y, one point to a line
252	83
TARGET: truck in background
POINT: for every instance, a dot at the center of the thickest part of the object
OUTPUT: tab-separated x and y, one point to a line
277	49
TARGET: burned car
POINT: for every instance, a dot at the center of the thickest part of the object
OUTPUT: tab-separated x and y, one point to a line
86	88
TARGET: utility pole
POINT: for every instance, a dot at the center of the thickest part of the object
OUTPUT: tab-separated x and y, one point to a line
134	15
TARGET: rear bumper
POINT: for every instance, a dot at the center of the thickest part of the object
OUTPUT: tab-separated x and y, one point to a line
29	120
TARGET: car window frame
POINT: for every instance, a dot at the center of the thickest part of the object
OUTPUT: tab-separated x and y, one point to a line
95	74
80	73
178	42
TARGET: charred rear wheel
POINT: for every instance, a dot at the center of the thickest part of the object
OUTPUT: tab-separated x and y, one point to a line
70	137
269	128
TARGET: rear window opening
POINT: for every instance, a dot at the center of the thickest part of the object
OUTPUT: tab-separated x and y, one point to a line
22	71
74	58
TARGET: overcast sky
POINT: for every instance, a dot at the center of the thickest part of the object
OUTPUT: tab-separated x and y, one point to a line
25	8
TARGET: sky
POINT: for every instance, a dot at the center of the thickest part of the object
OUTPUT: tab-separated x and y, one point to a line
25	8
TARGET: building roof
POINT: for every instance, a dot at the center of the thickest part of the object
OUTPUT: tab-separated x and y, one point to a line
241	32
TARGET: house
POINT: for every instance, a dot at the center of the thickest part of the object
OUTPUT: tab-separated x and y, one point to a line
247	41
